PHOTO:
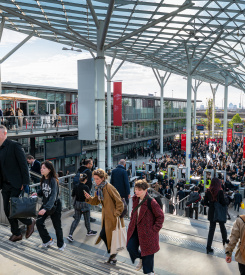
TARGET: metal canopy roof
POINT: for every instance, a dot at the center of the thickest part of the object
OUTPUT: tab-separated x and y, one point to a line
153	33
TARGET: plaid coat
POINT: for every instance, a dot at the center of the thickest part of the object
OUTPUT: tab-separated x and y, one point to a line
149	224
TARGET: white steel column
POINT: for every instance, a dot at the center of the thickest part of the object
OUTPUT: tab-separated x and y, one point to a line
213	113
225	115
188	120
161	115
100	71
195	110
109	116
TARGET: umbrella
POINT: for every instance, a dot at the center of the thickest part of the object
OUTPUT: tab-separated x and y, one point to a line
16	96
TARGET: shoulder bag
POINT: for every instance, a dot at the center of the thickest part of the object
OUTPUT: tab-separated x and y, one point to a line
22	207
220	211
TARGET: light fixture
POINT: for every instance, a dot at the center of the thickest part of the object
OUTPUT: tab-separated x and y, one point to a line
71	49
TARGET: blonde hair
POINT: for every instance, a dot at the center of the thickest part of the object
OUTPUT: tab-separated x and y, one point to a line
100	173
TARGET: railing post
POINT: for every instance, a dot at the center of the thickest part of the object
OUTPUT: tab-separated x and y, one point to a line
69	193
68	122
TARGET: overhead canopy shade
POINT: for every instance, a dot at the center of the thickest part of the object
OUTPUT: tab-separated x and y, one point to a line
16	96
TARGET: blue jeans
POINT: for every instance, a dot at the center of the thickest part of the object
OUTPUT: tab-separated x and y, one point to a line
134	252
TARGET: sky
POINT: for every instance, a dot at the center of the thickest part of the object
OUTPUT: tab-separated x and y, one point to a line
42	62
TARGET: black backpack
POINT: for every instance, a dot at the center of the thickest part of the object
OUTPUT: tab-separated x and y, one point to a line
158	200
77	177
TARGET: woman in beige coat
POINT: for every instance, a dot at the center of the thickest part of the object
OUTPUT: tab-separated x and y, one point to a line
112	208
237	233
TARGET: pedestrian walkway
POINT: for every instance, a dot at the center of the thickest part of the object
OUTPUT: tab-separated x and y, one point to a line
182	242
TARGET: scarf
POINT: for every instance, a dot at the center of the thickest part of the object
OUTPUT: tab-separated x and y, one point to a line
99	190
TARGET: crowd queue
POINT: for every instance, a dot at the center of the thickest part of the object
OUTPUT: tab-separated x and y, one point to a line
147	215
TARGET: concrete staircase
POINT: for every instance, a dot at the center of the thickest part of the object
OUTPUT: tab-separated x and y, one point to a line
73	260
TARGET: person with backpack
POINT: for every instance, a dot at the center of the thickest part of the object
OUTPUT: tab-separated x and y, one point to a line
237	233
81	207
143	231
85	168
193	202
51	206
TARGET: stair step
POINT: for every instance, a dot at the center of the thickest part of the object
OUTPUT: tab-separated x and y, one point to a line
73	260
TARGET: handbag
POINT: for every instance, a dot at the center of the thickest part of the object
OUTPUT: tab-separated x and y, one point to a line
119	238
242	205
53	209
220	212
22	207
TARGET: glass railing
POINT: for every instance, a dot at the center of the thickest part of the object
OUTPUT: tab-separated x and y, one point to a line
39	123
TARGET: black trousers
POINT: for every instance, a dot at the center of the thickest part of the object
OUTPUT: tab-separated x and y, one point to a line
212	227
134	252
56	220
103	237
241	268
7	192
191	210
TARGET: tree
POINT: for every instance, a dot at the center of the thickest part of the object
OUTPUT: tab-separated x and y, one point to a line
217	121
236	119
208	113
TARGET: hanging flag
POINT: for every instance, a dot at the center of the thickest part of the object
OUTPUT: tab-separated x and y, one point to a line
117	104
183	142
229	135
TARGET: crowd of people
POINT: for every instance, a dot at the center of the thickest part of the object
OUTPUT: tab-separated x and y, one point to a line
146	216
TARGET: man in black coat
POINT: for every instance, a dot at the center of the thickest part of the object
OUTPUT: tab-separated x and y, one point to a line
237	200
13	175
35	167
119	179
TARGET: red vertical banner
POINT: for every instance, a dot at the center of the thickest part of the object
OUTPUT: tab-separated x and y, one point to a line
229	135
117	104
244	147
183	142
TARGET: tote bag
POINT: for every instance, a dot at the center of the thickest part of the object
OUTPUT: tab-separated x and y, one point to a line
22	207
119	238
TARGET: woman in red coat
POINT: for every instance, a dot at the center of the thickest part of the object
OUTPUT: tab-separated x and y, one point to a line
144	228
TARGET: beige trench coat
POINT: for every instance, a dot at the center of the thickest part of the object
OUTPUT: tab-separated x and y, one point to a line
236	235
112	207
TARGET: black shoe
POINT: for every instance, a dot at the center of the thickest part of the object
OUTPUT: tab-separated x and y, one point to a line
92	219
91	233
209	250
112	259
226	242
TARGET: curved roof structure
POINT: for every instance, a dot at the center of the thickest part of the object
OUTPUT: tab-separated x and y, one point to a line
162	34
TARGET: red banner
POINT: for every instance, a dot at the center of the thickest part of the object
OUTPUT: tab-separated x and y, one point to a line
117	104
244	147
183	142
229	135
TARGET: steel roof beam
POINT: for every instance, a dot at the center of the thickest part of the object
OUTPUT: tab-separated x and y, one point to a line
207	51
106	24
45	26
1	28
93	14
16	48
153	23
80	36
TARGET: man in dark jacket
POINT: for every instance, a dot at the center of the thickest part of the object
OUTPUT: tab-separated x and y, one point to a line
86	168
193	201
35	167
119	179
237	200
180	195
13	175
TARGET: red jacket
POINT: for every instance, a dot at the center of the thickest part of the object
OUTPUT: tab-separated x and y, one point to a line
149	224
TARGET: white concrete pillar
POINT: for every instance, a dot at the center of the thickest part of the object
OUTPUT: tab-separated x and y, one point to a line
100	74
109	116
188	120
225	115
161	115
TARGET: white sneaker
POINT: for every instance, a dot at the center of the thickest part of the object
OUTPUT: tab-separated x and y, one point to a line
62	248
48	244
139	265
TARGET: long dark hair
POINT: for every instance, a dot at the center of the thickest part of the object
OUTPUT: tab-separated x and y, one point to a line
52	174
215	186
